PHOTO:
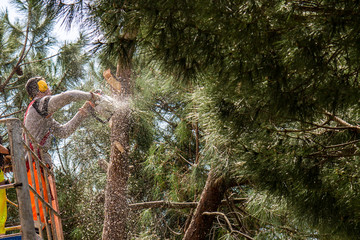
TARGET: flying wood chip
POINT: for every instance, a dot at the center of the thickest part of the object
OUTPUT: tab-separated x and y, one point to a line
111	79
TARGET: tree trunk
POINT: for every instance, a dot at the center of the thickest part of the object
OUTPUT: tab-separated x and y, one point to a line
210	200
116	205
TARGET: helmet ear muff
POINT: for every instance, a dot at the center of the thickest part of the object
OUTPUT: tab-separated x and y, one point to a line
42	86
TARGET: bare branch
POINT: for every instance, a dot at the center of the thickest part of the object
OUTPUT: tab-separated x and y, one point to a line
342	144
317	126
39	60
11	114
229	203
342	122
344	125
163	204
228	223
183	158
177	205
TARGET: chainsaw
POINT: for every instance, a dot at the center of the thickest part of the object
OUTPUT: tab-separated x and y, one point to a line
105	107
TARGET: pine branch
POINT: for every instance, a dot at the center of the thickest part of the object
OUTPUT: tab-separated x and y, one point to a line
174	205
317	126
342	122
2	86
39	60
183	158
232	231
163	204
197	143
11	114
230	206
342	144
345	125
311	6
62	79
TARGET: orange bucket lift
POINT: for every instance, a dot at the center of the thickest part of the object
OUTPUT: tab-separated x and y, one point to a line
34	183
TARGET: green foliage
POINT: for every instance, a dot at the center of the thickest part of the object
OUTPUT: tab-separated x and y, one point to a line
262	66
27	43
240	86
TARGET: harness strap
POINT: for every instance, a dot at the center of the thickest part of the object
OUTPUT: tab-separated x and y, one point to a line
27	110
41	143
43	140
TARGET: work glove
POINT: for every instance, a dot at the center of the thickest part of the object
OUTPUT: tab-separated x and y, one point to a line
98	91
96	97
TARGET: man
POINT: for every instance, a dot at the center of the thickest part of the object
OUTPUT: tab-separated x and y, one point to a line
4	151
41	125
38	117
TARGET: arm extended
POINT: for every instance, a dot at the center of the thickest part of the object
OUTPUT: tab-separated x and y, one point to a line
65	130
60	100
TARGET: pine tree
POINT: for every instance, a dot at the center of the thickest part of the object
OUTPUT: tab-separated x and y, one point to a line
270	66
271	79
27	51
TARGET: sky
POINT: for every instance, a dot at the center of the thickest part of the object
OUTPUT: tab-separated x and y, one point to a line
59	31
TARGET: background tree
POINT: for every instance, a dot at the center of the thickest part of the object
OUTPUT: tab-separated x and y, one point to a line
268	66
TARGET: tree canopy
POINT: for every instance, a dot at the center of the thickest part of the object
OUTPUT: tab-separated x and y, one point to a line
256	99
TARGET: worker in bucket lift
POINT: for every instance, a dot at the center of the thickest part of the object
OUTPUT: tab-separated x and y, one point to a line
40	124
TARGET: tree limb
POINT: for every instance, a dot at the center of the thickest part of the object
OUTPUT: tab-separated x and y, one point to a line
228	223
176	205
342	122
11	114
21	57
342	144
163	204
345	125
39	60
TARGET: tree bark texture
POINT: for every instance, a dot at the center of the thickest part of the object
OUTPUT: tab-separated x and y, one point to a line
116	204
210	200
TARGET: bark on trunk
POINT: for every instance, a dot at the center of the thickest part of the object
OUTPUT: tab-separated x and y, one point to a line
116	204
210	200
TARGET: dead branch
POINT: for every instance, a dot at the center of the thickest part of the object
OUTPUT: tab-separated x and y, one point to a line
176	205
39	60
183	158
342	122
230	206
344	125
316	127
228	223
163	204
342	144
11	114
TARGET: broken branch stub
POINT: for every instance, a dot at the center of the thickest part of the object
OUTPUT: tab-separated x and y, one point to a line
111	80
119	146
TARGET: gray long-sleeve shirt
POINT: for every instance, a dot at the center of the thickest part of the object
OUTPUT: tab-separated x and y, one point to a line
39	122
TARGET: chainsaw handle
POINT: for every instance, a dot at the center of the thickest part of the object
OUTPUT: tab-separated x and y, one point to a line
91	104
